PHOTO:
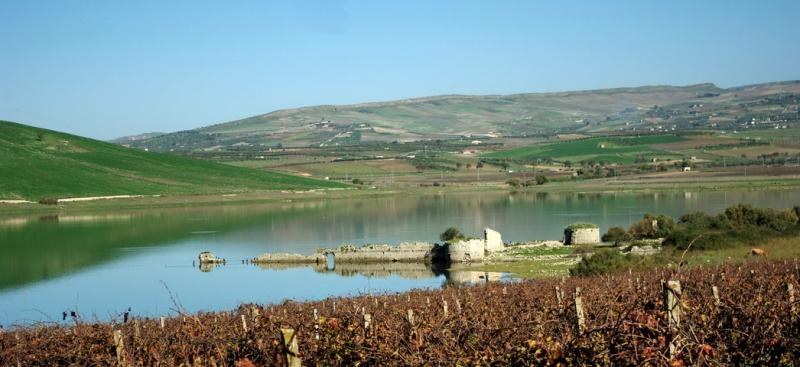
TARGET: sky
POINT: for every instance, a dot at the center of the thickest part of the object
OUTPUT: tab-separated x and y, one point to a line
106	69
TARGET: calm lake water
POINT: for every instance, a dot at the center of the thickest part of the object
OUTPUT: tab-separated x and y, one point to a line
102	264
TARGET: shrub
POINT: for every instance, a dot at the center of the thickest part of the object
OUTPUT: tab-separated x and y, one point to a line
616	235
48	201
611	261
541	180
451	234
358	181
652	227
513	182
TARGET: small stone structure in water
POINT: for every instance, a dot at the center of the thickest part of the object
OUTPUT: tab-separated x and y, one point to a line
582	234
208	257
466	250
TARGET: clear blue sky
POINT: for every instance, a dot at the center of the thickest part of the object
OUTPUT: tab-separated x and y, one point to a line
111	68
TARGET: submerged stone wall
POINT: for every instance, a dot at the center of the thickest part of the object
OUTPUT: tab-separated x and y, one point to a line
268	258
407	251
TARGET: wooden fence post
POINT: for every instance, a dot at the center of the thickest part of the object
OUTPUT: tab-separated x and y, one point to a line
119	343
292	350
162	322
672	297
316	325
410	317
580	322
559	295
244	324
444	307
367	323
715	292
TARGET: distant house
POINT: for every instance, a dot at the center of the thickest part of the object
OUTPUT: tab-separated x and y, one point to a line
476	142
687	169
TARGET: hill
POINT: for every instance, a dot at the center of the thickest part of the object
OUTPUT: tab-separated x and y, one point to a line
438	117
37	163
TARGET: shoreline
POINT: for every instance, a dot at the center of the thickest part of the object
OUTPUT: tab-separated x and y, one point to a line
599	186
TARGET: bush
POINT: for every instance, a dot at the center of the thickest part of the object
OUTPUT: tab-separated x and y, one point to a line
541	180
612	261
48	201
357	181
616	235
451	234
652	227
513	182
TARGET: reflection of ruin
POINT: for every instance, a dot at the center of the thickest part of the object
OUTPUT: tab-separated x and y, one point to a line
382	270
407	270
471	277
207	267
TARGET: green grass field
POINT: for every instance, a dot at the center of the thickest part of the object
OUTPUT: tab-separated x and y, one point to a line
37	163
608	149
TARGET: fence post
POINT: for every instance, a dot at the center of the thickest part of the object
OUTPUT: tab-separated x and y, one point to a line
580	322
672	296
120	347
367	323
316	325
292	350
244	324
715	292
444	307
162	322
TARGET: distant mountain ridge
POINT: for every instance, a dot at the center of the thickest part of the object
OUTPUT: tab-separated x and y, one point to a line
442	117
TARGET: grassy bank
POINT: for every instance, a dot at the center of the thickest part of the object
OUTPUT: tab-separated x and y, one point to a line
38	163
761	183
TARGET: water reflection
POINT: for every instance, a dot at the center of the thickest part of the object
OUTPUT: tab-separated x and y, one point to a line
406	270
83	258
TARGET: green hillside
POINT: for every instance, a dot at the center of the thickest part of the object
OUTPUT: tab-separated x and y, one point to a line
605	149
438	117
37	163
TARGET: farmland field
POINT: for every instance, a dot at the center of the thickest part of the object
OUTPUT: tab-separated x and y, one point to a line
607	149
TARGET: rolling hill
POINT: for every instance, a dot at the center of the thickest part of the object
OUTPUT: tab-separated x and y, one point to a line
438	117
37	163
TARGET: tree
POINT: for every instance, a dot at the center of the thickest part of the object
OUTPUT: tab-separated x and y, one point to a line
616	235
541	180
451	234
479	165
567	164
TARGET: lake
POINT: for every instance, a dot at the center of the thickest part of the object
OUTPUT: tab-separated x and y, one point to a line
101	264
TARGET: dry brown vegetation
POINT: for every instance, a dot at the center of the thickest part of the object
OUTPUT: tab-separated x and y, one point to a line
754	321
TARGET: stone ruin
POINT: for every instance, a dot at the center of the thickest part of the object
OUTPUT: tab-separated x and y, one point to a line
582	234
466	250
208	257
493	240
